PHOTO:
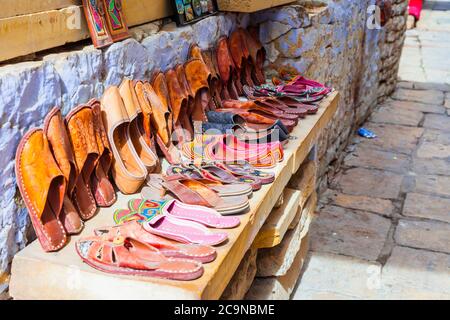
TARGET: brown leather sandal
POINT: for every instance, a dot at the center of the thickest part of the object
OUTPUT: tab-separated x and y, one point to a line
257	54
241	58
197	75
43	186
56	134
227	70
101	186
128	171
179	100
80	125
162	117
131	102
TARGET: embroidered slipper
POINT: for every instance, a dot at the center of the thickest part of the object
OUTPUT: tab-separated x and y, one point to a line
42	186
174	208
228	190
247	169
128	256
171	228
168	248
80	126
193	192
58	139
213	172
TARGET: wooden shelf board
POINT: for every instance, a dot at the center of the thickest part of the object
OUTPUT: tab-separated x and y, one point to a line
62	275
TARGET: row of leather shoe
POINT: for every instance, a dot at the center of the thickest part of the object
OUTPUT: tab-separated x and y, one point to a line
62	173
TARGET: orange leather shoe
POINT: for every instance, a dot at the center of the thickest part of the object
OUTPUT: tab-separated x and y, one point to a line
56	134
185	119
135	114
128	171
197	75
101	187
80	126
227	70
213	79
162	117
241	57
257	55
43	186
179	100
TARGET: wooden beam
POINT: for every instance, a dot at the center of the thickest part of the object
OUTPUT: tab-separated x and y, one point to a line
12	8
26	34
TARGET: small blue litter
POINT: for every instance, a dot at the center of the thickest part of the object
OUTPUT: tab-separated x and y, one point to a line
363	132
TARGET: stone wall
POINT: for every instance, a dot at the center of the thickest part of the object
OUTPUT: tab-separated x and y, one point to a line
325	40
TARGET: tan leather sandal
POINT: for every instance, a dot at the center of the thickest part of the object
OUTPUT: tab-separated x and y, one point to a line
56	134
128	171
43	186
80	125
135	114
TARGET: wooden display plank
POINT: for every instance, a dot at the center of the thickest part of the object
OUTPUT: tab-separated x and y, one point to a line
62	275
249	5
272	233
12	8
35	32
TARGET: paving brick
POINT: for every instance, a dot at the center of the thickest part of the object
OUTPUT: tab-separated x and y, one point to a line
430	235
415	106
331	276
434	144
400	116
426	206
439	122
370	183
349	232
394	138
378	159
376	205
417	274
447	100
431	184
431	166
425	96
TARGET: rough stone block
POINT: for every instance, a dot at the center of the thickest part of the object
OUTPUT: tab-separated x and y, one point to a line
429	235
323	278
424	96
279	288
417	274
370	183
438	122
364	203
437	185
243	278
349	232
278	260
428	207
377	159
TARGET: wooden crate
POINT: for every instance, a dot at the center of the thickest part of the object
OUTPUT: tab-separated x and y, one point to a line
249	5
32	26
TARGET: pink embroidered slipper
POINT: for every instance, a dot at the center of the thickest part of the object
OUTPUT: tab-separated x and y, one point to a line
174	208
184	231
